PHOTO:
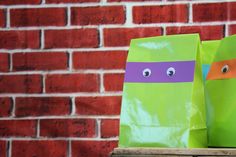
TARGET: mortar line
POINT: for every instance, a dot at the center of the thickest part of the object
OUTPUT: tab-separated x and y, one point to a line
164	30
102	88
9	147
102	3
63	72
226	30
101	38
63	117
118	93
69	152
70	60
98	129
129	16
38	129
68	16
131	25
69	49
190	14
44	83
13	106
58	139
11	62
73	107
42	41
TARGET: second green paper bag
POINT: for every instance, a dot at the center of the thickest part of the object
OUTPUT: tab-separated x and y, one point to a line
221	96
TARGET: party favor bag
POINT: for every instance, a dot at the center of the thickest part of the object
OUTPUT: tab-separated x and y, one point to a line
163	103
221	96
208	50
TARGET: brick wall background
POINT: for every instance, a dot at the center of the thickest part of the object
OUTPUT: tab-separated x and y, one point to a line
62	64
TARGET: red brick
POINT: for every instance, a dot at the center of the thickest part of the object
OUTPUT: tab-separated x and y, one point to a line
40	61
5	106
20	84
2	18
109	128
71	1
19	39
66	83
38	17
97	15
99	60
232	29
17	128
107	105
68	128
161	13
42	148
42	106
17	2
113	82
122	36
3	148
92	148
206	32
206	12
4	62
75	38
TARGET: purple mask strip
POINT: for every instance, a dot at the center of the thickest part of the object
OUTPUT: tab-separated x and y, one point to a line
184	72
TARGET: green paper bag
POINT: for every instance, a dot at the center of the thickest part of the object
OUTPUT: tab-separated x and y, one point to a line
163	101
208	50
221	96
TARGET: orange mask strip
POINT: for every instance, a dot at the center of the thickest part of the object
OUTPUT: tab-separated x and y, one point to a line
216	70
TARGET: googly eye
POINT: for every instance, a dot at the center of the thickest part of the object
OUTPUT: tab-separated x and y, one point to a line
225	69
170	71
147	72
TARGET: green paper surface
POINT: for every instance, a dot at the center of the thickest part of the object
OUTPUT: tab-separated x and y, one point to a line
208	51
221	101
226	49
164	48
164	114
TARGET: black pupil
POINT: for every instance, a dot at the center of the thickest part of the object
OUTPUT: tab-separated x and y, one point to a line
171	73
146	73
224	70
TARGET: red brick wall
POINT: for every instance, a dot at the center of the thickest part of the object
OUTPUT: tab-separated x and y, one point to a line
62	65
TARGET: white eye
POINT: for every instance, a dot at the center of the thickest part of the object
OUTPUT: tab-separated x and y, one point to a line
146	72
170	71
225	69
